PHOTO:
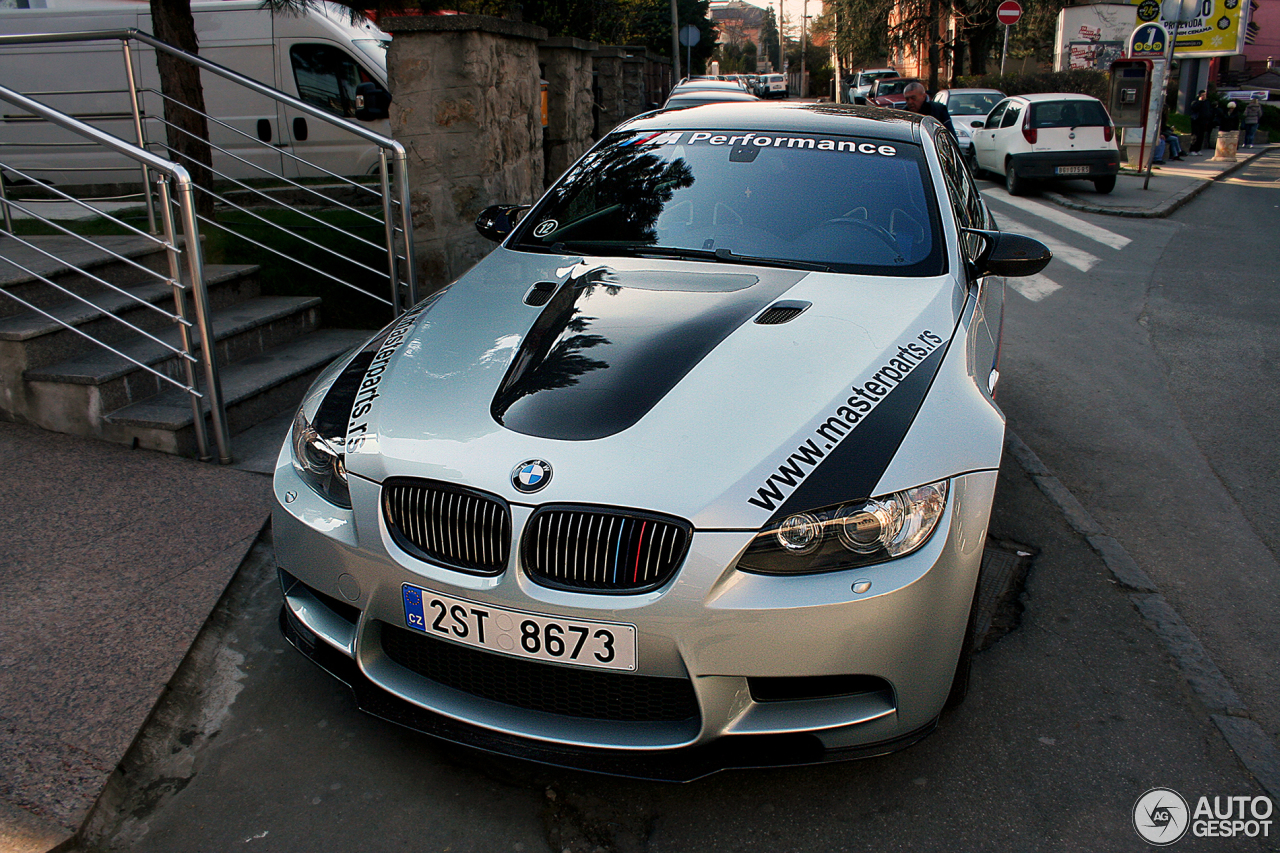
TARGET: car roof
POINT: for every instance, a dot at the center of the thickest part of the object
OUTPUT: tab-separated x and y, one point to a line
707	85
787	117
708	96
1054	96
975	92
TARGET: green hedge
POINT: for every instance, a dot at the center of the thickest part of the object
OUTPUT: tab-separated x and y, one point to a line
1093	83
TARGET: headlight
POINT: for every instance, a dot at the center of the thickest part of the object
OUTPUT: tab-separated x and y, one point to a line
319	463
847	536
961	133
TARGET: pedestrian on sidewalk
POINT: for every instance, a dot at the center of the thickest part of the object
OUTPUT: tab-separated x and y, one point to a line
1167	141
1202	113
1231	119
1252	116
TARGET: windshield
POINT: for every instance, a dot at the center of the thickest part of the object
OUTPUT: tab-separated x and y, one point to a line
871	76
1069	114
376	50
847	204
973	104
895	88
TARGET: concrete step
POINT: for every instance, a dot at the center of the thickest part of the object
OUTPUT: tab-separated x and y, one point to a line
254	389
27	262
74	395
32	339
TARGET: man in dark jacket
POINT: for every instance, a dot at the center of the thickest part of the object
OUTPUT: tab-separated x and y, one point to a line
918	102
1202	114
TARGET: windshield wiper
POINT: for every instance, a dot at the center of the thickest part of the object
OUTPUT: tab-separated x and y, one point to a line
724	255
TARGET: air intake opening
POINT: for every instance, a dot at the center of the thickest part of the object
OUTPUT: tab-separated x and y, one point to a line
540	294
782	312
791	688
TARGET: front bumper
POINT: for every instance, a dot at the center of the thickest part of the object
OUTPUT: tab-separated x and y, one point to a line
1043	165
718	632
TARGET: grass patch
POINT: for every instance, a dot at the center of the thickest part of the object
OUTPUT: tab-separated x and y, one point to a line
294	238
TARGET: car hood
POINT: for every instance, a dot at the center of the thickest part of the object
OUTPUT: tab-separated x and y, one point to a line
646	383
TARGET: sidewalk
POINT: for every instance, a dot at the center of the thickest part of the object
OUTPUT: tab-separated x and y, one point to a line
113	561
1172	185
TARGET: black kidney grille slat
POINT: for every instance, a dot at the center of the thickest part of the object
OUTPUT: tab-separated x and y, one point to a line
446	524
604	550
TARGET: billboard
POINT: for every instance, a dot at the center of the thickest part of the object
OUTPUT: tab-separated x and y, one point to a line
1209	27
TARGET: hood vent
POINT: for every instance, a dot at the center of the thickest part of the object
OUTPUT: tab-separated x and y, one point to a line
782	312
540	294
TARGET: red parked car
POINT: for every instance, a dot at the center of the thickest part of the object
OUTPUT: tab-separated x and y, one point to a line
890	92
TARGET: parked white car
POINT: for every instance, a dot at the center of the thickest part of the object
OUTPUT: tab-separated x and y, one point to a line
966	106
1054	136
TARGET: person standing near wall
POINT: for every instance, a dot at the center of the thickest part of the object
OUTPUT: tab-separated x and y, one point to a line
1252	116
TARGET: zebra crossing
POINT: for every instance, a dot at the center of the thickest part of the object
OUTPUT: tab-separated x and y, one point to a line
1028	214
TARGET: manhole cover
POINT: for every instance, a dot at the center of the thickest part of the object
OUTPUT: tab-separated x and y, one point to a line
1004	571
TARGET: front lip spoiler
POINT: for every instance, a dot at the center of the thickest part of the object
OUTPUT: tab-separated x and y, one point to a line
686	764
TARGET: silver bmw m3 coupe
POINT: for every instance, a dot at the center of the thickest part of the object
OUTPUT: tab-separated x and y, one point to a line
692	471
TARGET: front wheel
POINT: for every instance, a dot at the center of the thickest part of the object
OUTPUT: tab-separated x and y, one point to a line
1013	182
971	160
1105	185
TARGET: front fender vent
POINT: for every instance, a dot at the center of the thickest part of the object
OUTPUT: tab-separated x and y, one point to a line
602	549
782	312
448	524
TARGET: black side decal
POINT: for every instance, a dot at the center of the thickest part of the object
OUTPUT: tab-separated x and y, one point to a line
850	469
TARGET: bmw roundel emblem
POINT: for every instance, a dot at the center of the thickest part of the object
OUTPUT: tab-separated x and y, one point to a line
531	476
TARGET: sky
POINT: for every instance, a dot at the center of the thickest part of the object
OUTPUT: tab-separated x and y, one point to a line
792	8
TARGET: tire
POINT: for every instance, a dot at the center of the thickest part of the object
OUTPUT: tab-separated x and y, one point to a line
971	160
1105	185
1013	182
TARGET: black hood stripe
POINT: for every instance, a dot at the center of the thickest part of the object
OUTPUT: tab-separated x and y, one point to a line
610	344
850	468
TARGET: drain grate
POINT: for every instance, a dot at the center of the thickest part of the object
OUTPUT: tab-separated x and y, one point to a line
1004	572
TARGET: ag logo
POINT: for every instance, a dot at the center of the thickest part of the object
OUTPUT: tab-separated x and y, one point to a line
531	476
1148	10
545	227
1161	816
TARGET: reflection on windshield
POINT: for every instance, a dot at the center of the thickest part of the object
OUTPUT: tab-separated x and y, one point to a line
844	203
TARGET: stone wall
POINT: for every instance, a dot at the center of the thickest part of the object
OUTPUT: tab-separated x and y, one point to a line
628	82
566	66
466	105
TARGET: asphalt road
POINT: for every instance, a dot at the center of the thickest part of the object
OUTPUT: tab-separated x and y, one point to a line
1136	367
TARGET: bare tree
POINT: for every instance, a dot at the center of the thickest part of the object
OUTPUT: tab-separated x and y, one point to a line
187	129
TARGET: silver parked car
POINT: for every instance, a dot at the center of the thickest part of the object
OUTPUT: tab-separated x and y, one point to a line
965	107
692	471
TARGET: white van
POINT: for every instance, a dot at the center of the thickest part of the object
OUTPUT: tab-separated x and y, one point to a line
320	57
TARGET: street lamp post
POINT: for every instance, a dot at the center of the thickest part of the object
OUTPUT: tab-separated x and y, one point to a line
804	22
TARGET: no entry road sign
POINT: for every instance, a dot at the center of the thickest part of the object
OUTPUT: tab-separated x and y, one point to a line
1009	12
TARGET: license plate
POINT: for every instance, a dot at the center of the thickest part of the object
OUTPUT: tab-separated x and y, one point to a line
1072	170
603	645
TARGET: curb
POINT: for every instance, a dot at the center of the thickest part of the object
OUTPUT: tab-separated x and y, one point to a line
1252	746
1160	211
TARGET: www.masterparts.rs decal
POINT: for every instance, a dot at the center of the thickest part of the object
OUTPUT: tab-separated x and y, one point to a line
865	398
764	140
367	394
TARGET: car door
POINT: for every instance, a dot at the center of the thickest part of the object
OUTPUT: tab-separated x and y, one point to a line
326	76
1007	138
984	138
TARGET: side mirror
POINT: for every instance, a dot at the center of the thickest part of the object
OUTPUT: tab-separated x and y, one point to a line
978	124
497	221
372	102
1011	255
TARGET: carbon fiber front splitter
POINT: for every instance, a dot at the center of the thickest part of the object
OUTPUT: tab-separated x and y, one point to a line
676	765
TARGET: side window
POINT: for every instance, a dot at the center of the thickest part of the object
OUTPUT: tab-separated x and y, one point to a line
1010	117
951	164
966	202
327	77
993	120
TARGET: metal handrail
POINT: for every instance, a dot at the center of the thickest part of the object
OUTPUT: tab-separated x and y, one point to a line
394	148
177	177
